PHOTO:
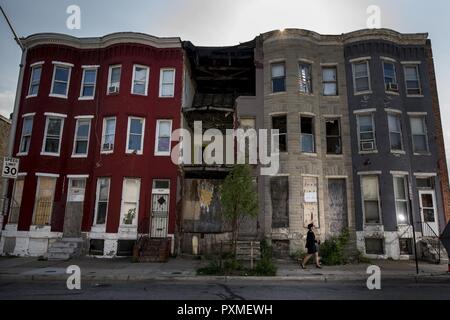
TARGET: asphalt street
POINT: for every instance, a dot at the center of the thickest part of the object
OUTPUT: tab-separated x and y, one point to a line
224	290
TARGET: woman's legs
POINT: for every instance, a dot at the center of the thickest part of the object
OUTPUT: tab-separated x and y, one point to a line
305	259
317	259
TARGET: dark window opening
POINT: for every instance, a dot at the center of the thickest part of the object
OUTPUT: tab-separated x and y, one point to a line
333	134
307	134
406	246
96	247
125	248
280	123
374	246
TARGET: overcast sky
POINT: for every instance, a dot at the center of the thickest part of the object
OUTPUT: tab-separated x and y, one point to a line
223	22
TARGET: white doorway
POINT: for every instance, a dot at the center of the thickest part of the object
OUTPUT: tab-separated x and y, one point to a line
428	210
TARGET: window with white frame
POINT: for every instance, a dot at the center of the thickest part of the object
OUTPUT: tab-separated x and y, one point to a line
329	81
76	189
163	135
135	137
401	199
130	201
114	74
305	77
108	135
395	132
43	205
81	143
361	76
16	200
419	134
278	77
88	83
412	79
61	80
101	201
140	80
35	80
371	198
25	140
53	134
366	132
390	77
307	134
167	83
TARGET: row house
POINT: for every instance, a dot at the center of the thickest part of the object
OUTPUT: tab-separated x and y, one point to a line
360	142
93	138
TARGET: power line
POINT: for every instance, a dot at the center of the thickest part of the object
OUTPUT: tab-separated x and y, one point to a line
16	37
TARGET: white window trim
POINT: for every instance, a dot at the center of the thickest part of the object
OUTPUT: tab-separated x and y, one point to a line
104	133
47	175
372	114
84	69
425	174
77	176
88	116
391	61
32	67
97	192
277	62
27	115
161	82
419	80
399	117
362	111
53	114
425	127
133	225
162	153
74	155
146	79
65	65
54	154
361	60
380	214
129	151
110	75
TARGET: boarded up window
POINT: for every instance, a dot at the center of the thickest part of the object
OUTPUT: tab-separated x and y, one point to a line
16	201
279	192
310	202
337	203
44	201
371	202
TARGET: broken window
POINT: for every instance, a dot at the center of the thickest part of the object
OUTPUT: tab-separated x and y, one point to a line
101	203
329	81
333	136
307	134
16	200
279	122
278	77
395	132
305	78
401	199
419	134
371	198
44	200
279	193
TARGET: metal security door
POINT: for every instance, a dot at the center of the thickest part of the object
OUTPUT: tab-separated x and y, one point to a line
160	213
428	209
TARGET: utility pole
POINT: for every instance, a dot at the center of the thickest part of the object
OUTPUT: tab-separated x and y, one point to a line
14	116
411	215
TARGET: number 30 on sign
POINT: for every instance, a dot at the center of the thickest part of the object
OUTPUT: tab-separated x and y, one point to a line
10	167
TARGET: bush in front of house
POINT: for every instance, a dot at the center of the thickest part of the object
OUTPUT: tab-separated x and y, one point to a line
332	250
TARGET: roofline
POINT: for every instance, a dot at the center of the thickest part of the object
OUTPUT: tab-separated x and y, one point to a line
100	42
5	119
350	37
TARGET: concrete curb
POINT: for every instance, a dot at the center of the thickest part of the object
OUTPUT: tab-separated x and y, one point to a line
312	278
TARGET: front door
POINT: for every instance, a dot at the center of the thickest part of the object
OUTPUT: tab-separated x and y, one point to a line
428	209
160	208
74	207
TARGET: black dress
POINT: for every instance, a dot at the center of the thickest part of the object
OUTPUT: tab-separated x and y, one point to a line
311	242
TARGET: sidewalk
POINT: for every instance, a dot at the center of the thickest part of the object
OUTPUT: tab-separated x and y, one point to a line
122	269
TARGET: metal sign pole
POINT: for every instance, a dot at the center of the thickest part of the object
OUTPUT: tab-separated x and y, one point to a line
413	224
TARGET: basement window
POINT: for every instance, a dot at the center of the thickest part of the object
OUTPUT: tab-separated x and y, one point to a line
374	246
406	246
96	247
125	248
307	134
278	77
279	122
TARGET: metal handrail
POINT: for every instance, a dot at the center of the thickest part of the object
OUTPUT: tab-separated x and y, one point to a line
428	232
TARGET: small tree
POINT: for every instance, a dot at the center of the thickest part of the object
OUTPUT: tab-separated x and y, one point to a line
238	198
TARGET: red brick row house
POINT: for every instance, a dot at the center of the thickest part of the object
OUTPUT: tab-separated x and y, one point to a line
93	139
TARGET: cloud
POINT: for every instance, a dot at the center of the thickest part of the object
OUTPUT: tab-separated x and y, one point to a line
6	103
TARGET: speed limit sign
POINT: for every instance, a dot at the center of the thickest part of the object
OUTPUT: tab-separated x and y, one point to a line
10	167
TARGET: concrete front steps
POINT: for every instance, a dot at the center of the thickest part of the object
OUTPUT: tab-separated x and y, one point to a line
64	249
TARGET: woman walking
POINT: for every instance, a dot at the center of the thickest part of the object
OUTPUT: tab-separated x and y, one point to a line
311	245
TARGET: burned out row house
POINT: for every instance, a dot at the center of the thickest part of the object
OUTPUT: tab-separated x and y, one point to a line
360	143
